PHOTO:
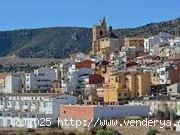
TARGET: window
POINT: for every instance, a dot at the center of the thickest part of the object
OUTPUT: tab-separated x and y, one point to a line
41	74
33	103
101	33
116	79
25	102
120	80
1	103
170	89
33	116
8	103
162	72
45	104
27	87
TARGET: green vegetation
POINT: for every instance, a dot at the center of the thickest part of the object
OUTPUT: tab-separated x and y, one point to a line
57	42
104	132
153	132
60	42
172	27
16	68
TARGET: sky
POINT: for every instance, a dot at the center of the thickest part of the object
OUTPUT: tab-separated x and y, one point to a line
18	14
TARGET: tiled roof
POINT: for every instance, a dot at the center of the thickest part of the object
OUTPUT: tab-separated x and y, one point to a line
95	79
102	63
84	64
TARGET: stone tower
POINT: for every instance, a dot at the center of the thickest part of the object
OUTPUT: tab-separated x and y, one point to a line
98	31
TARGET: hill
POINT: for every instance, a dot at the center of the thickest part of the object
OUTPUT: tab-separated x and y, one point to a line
60	42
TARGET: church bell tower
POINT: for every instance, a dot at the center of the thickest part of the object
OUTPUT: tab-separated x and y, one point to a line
98	31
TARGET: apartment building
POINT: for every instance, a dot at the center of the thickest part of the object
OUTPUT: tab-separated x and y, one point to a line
164	73
40	80
75	79
173	89
29	105
125	85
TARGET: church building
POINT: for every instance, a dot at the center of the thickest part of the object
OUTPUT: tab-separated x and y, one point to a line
103	39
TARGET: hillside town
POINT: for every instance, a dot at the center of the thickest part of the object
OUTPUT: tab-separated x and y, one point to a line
139	78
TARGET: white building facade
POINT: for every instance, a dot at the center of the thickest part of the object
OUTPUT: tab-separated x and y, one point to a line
41	79
29	107
10	83
74	79
151	43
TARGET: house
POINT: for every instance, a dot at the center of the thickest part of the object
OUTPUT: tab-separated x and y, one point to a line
151	43
10	83
93	81
175	41
167	72
85	64
133	46
133	42
117	60
56	86
167	51
173	89
147	60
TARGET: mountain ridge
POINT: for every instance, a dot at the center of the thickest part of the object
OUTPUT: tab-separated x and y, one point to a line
60	42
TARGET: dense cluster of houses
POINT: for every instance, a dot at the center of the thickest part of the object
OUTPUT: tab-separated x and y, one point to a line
141	70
